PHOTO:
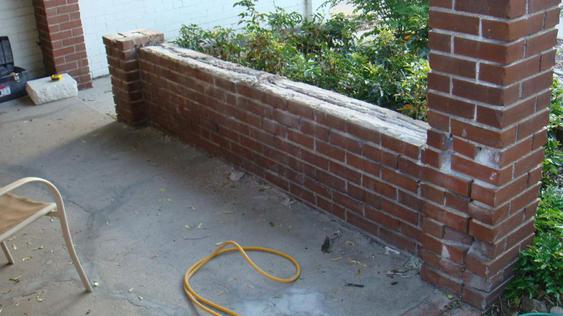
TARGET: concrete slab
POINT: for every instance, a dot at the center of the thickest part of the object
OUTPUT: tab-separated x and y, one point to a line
44	90
143	207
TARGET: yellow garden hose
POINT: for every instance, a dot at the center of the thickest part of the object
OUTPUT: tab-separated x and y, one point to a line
208	305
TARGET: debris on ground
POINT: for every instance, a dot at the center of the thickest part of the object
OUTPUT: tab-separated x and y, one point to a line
389	250
326	246
355	285
236	175
533	305
288	202
452	305
409	269
16	279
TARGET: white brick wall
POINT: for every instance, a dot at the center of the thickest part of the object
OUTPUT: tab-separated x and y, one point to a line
17	21
101	17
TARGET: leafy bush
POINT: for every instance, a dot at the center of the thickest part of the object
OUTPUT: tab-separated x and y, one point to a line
553	162
382	65
408	18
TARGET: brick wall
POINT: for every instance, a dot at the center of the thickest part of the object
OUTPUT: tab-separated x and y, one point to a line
491	66
62	40
460	192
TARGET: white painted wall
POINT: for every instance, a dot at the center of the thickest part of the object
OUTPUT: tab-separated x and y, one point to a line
17	21
101	17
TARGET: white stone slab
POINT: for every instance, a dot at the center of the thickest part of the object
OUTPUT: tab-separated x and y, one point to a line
45	90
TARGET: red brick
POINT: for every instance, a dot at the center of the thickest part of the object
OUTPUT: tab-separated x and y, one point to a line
441	3
450	218
451	106
432	158
496	8
438	121
511	30
330	151
478	171
433	227
348	202
398	240
438	82
454	22
451	65
432	193
363	165
539	5
464	147
497	139
501	118
441	280
399	179
500	53
382	218
447	181
494	196
540	43
362	223
488	215
440	42
372	153
287	119
450	268
529	162
532	125
400	146
486	94
409	167
346	142
365	134
404	214
345	172
436	139
379	187
410	200
506	75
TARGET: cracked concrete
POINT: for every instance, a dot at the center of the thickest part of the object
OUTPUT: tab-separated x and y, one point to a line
143	207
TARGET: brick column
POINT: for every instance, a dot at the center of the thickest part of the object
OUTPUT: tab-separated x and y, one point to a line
62	40
122	50
488	95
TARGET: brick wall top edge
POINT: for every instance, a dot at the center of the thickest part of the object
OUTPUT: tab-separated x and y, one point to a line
131	35
364	114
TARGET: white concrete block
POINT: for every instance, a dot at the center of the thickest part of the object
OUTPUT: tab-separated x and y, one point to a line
45	90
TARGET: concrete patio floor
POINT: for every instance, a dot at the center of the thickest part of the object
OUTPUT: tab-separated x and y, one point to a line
143	207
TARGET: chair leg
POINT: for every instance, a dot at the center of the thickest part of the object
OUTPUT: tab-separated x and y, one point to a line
69	244
73	256
7	253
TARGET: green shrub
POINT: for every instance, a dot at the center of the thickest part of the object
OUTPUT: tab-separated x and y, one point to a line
553	162
381	66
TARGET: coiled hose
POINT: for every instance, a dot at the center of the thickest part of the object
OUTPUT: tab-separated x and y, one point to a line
208	305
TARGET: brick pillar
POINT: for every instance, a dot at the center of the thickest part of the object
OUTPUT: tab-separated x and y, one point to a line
488	94
122	50
62	39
